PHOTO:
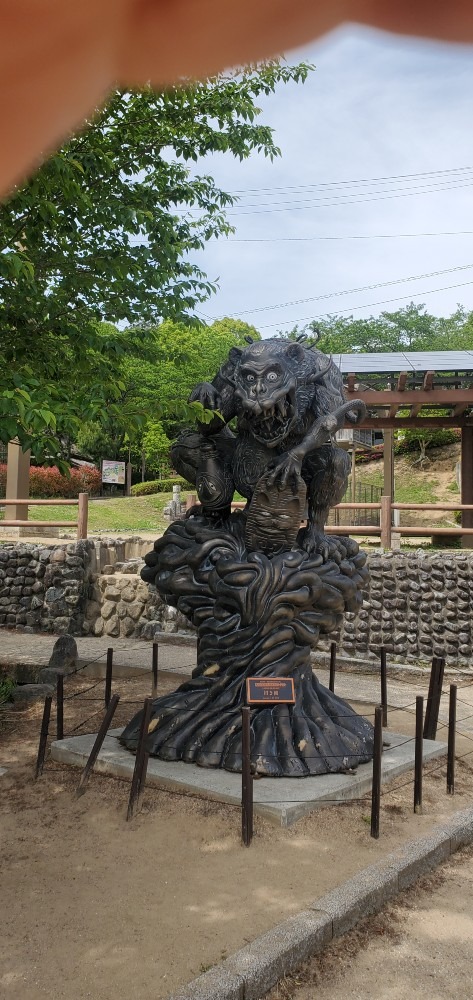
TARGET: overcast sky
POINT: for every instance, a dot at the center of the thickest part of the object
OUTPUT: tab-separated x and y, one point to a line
376	106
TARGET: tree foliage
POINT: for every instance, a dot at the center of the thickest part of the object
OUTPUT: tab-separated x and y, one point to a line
411	328
179	356
106	231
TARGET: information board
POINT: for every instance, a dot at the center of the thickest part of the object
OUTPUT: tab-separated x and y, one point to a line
270	691
113	472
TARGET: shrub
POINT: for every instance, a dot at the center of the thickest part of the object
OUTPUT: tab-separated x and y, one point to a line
48	483
158	486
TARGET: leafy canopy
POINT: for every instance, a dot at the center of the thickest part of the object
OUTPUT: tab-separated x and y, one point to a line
106	231
411	328
178	357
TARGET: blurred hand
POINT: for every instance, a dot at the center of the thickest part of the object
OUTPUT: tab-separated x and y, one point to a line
60	59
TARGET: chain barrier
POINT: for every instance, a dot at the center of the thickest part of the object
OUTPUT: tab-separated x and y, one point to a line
430	769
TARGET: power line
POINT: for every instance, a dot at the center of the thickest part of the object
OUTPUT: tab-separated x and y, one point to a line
367	305
354	181
361	195
362	288
296	207
138	241
310	239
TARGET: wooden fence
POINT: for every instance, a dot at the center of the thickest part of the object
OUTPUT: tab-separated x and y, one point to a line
386	529
384	507
82	514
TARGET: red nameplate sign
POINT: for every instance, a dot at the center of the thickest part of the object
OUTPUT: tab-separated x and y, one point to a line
270	691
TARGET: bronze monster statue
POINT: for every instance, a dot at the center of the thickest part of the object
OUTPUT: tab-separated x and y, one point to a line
260	588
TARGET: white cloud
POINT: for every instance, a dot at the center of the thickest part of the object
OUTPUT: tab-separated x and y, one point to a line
376	106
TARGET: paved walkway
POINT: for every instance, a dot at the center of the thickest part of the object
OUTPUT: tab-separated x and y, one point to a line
34	650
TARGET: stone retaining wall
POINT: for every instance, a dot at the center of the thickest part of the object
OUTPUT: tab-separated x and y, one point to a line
416	604
122	605
45	588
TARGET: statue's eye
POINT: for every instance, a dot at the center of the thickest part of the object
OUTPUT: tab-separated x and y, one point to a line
272	376
250	378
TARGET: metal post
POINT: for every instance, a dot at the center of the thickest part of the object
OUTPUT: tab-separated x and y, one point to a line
60	707
433	698
104	727
108	676
418	762
82	515
333	666
384	686
452	722
376	786
43	737
246	778
154	668
141	763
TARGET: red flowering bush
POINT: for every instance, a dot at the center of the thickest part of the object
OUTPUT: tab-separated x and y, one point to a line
48	483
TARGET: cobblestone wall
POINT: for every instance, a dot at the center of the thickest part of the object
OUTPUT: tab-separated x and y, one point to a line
44	588
416	604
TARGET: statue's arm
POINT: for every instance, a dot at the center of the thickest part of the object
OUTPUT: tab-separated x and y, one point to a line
320	433
219	394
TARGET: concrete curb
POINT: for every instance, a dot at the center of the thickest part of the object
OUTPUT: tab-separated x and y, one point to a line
251	972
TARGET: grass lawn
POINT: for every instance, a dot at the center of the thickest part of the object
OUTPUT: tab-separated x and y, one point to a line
126	515
413	487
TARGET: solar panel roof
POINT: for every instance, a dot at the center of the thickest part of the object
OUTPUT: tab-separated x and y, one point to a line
413	361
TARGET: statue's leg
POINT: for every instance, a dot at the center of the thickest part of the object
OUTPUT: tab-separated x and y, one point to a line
326	472
185	454
205	461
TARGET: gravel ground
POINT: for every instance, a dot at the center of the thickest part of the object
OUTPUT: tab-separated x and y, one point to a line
420	947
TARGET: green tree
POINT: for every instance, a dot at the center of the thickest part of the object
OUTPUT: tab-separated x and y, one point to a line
106	231
411	328
178	356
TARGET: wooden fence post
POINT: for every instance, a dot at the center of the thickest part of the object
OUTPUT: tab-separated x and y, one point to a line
452	722
433	698
82	515
386	522
419	753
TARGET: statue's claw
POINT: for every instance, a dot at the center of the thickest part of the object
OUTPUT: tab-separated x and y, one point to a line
286	472
314	542
206	394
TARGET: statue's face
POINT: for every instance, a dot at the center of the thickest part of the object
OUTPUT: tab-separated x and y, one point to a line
266	389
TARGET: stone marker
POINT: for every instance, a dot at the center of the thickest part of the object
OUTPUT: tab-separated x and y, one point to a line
63	659
64	654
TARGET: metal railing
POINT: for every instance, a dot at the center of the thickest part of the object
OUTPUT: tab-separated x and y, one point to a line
363	494
82	503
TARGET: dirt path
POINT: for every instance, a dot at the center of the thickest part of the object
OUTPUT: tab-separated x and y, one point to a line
418	947
97	907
